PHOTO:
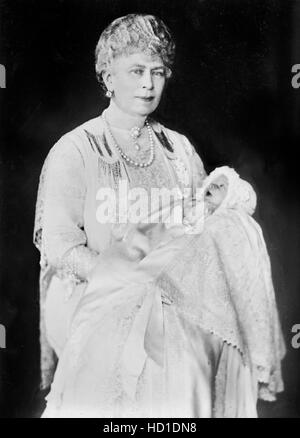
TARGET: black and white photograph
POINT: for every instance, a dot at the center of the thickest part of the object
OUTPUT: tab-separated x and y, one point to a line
149	210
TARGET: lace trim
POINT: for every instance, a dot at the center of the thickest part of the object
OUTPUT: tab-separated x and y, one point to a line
209	271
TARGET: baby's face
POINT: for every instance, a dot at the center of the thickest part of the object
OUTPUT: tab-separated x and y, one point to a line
216	192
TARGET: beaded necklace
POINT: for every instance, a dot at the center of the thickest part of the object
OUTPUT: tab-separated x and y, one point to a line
125	156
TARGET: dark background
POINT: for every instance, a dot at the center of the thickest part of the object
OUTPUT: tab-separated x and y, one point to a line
231	94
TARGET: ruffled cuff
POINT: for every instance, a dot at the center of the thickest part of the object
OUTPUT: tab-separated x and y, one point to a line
75	266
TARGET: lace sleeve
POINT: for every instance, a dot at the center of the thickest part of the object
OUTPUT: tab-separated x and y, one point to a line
62	236
196	164
77	263
198	170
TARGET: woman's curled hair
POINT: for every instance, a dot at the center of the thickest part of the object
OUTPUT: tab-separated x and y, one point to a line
134	33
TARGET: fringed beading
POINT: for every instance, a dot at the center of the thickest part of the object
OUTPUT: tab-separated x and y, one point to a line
110	170
167	144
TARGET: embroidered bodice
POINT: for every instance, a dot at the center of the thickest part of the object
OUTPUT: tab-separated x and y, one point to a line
80	163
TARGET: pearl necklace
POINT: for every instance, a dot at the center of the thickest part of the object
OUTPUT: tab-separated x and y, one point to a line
128	159
135	133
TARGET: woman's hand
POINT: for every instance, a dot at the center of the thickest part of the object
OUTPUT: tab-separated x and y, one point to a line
136	242
116	262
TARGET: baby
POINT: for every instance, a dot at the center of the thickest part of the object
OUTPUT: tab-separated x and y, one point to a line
221	189
153	242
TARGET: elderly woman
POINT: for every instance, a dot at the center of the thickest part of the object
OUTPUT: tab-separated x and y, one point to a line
177	341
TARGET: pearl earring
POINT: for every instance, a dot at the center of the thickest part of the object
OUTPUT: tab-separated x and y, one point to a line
109	94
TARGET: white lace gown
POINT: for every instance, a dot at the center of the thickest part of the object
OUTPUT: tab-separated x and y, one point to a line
111	363
131	352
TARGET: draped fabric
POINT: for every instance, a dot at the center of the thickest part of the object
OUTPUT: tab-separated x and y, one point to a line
192	330
66	231
222	281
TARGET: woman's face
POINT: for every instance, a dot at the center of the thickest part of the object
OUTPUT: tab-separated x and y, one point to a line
137	82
